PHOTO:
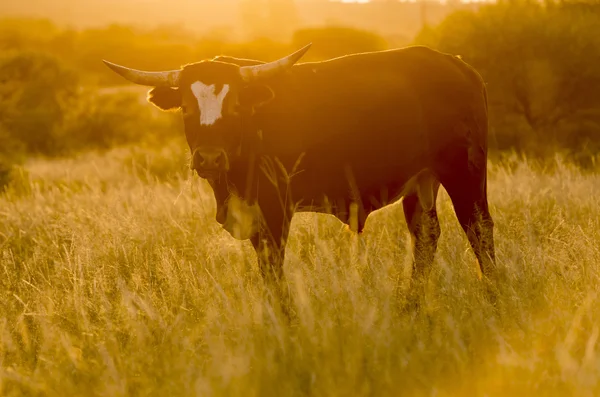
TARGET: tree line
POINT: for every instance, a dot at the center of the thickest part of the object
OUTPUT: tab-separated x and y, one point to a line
540	62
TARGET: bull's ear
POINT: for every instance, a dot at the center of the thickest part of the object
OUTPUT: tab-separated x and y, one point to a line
256	95
165	98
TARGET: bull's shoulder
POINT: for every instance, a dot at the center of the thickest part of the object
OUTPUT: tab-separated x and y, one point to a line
237	61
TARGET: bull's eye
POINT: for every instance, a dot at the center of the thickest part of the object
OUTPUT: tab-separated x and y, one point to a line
184	109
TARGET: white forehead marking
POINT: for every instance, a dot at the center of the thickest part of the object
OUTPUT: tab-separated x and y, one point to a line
210	104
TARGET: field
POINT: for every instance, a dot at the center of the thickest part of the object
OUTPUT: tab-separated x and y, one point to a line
116	280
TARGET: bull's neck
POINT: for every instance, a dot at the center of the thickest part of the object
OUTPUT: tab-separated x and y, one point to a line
240	180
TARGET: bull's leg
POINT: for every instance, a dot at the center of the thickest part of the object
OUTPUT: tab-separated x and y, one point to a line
270	254
468	192
424	228
269	245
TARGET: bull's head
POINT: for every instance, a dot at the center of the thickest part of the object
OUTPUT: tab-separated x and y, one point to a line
216	100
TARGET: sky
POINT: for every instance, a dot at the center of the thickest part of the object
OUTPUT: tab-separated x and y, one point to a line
206	16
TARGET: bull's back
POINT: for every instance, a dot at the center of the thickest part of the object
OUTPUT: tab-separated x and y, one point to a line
414	88
380	115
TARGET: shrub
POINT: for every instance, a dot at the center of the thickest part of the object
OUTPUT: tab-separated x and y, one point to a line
102	121
540	64
6	169
36	92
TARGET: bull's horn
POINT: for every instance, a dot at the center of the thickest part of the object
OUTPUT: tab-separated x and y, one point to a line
256	72
155	79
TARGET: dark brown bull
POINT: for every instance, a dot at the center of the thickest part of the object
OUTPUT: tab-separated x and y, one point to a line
354	133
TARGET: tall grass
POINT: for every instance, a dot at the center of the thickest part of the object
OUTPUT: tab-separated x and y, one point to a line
116	280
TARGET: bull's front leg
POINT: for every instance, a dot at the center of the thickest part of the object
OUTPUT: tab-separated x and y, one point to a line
269	244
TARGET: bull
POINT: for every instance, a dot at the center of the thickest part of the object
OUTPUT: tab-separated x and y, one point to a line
345	136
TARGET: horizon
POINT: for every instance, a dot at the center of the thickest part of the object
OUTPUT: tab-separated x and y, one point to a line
243	18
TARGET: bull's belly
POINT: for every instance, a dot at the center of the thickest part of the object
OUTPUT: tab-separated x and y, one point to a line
353	209
243	220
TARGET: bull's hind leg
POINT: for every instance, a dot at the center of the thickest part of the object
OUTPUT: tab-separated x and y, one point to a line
423	224
467	188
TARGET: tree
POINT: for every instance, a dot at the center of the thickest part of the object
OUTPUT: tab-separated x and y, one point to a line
36	92
540	65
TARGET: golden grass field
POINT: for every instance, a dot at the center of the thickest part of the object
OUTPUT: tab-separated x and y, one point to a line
116	280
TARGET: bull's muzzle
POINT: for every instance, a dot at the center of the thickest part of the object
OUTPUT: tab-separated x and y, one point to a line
209	161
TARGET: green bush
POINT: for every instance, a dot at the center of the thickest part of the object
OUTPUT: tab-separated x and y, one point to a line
44	111
26	34
36	92
6	170
102	121
541	66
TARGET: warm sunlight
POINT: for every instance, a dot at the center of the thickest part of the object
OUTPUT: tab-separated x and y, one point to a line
242	18
299	198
